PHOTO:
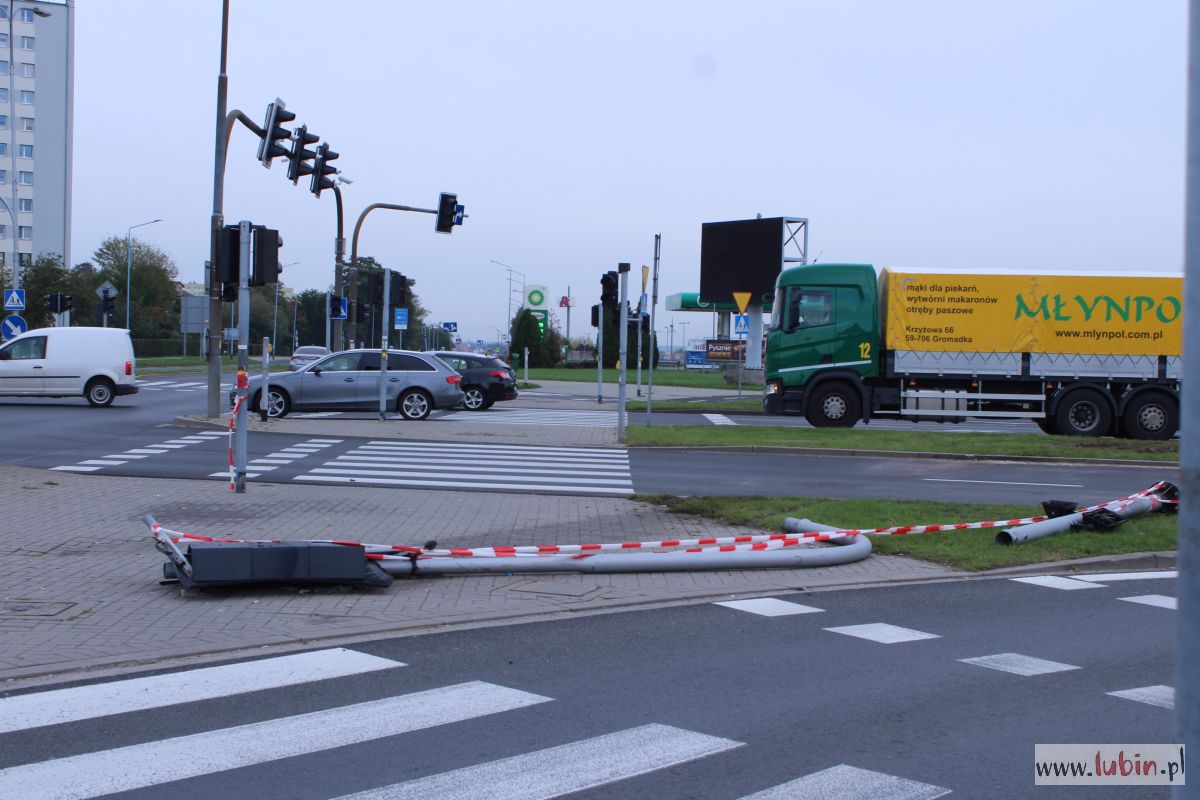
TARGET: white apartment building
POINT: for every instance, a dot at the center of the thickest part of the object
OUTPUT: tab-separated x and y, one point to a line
37	61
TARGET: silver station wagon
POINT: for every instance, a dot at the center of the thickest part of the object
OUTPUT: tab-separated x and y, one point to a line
417	383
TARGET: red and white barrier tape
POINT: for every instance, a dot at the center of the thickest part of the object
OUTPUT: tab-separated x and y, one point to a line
761	541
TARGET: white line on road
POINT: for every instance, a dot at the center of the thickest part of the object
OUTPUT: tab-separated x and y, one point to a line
844	782
883	633
561	770
719	419
1105	577
154	763
1006	483
461	484
1156	600
399	473
76	469
1160	695
149	451
103	462
138	694
1018	664
1056	582
769	607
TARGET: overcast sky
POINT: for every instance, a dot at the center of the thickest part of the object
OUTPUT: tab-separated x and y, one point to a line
947	135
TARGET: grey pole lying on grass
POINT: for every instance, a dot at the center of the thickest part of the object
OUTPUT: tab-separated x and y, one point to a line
850	549
1049	527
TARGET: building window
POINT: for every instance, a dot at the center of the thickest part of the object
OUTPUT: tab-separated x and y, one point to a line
25	150
3	231
4	40
3	13
3	95
26	124
25	14
26	97
3	67
27	70
26	178
27	42
3	122
3	176
3	149
25	259
25	204
25	232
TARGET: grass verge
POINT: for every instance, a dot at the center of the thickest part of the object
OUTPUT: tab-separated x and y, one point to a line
982	444
664	377
970	550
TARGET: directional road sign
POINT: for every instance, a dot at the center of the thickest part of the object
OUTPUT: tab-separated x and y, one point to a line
741	324
13	325
450	327
14	299
401	318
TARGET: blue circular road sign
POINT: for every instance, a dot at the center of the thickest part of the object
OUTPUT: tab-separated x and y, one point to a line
13	325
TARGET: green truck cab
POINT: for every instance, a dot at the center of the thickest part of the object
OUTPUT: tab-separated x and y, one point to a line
823	343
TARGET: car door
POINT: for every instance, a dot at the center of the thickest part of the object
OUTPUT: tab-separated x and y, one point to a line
23	366
368	384
331	384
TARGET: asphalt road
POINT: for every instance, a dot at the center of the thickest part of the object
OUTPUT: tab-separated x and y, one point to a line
699	701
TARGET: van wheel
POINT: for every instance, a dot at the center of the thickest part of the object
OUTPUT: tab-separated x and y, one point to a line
1083	412
99	392
834	405
414	404
1151	415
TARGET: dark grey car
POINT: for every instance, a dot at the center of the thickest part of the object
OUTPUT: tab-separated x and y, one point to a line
417	383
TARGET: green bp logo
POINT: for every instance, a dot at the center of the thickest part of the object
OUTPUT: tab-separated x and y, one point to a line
536	297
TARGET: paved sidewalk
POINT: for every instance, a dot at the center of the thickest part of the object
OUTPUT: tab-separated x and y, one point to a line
79	577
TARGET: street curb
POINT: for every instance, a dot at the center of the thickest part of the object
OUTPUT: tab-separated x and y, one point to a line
832	451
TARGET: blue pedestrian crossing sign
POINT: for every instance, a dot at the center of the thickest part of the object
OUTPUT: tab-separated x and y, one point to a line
741	324
13	325
14	299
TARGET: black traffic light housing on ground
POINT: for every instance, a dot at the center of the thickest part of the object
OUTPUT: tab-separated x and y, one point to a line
608	290
321	169
274	132
447	212
300	155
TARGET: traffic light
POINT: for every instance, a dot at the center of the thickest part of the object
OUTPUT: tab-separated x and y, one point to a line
321	169
300	154
50	302
265	267
608	290
273	132
64	302
109	300
399	297
228	272
595	316
447	211
375	288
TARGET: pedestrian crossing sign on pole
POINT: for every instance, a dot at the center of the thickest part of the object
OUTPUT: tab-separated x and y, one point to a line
14	299
741	324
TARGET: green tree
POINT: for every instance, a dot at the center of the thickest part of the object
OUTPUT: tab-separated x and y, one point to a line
311	309
44	276
154	301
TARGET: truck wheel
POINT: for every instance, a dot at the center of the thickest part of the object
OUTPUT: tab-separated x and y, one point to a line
99	392
1083	412
1151	415
834	405
1047	425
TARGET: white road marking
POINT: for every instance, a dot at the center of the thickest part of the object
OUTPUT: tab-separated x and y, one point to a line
561	770
138	694
275	461
1006	483
769	607
325	441
170	446
180	441
316	414
462	484
137	766
506	467
1018	664
1105	577
144	384
225	474
1055	582
719	419
1157	600
496	448
844	782
1159	695
146	450
104	462
76	469
126	456
884	633
399	473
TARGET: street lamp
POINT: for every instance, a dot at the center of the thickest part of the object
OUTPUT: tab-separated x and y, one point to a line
508	322
129	263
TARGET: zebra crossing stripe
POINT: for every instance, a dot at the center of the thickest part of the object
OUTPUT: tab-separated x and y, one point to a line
495	448
456	466
850	783
535	461
138	694
449	484
76	469
561	770
719	419
138	766
399	473
1159	695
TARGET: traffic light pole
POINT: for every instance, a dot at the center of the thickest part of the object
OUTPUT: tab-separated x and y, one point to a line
623	333
600	356
243	351
653	339
383	344
339	273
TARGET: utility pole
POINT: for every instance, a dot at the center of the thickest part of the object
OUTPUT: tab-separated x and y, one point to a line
623	339
653	336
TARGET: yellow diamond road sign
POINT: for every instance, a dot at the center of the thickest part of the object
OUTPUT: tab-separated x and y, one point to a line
742	299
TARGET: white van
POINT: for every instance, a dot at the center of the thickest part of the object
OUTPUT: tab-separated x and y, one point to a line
96	363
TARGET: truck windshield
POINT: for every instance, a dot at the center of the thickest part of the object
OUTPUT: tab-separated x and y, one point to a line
777	307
